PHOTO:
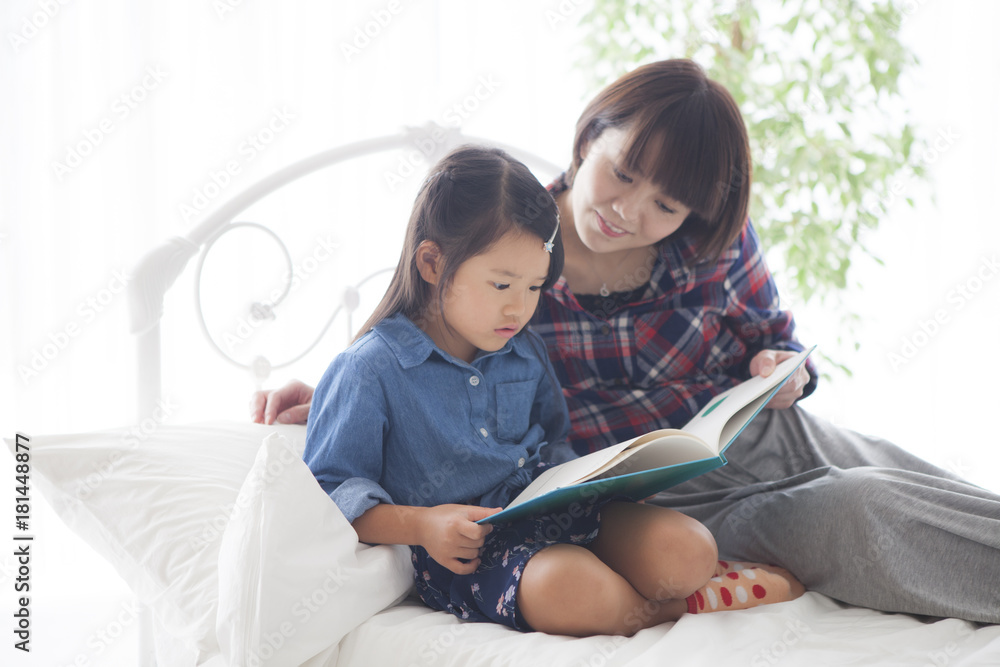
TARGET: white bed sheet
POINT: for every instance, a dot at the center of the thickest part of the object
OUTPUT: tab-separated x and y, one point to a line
300	538
813	630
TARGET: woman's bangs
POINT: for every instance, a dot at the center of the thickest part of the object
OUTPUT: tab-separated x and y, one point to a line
671	152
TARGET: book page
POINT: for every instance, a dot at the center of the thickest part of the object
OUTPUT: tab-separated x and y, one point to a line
665	447
570	472
669	450
724	416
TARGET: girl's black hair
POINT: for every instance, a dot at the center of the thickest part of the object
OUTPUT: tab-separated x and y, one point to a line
472	198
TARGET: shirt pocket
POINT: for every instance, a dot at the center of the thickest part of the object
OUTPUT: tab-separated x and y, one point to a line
514	400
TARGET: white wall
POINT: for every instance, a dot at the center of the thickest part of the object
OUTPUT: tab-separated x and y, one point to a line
925	374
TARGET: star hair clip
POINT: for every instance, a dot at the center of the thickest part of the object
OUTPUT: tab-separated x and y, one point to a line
548	245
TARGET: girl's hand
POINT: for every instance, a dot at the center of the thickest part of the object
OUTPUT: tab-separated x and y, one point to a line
288	405
452	537
765	362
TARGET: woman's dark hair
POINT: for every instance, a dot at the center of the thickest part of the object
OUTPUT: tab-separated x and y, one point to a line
686	134
472	198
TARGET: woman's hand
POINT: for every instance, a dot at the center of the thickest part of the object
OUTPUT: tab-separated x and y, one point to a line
288	405
450	533
765	362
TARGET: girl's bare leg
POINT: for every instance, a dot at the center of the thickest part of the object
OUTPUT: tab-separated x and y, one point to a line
662	553
566	589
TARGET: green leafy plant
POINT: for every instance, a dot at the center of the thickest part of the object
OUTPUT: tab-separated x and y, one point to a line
818	84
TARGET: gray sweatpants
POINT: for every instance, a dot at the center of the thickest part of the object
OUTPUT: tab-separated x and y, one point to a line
853	517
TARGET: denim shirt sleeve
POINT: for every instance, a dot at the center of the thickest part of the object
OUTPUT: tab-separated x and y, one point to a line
345	434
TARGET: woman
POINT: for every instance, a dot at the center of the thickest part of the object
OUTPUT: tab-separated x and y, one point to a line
665	301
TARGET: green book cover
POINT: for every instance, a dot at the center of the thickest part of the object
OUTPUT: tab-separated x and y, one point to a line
652	462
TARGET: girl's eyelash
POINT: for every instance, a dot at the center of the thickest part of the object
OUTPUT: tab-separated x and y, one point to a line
665	208
503	286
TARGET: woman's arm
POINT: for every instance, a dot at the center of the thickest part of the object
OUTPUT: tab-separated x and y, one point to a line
288	405
764	364
449	533
755	317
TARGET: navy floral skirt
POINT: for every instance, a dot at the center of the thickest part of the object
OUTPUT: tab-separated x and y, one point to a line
490	593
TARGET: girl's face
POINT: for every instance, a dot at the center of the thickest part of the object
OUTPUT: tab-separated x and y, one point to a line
491	297
615	209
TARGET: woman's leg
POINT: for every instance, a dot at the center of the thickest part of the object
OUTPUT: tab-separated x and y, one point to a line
853	517
666	555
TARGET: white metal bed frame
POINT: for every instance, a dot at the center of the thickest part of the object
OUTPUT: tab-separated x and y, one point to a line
157	271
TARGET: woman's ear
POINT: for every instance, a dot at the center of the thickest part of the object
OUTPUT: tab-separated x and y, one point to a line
429	262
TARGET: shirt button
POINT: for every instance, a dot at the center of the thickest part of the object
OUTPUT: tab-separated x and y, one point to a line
474	381
520	463
484	432
605	329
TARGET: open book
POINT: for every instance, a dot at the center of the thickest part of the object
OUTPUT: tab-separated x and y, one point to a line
655	461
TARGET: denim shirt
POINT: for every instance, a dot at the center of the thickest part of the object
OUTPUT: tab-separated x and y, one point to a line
395	419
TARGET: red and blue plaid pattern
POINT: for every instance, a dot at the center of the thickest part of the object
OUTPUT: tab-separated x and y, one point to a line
654	362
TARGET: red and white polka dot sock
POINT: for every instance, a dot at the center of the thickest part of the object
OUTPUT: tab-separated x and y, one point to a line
739	586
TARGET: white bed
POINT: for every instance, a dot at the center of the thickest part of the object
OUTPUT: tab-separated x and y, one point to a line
240	559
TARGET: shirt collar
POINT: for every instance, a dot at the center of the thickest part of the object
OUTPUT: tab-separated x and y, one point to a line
412	345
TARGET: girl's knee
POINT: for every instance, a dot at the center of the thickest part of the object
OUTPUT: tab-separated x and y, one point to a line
663	553
687	553
692	553
565	589
557	571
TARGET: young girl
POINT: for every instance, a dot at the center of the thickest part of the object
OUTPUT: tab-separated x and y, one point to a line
437	416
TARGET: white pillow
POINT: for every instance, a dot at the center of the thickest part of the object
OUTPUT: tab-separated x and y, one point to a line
293	579
156	506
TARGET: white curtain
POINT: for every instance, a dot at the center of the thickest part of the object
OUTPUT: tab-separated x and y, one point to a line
125	123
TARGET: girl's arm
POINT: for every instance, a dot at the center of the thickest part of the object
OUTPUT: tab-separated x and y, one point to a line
449	533
345	436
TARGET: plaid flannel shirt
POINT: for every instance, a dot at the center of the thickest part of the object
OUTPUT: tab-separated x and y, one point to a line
654	362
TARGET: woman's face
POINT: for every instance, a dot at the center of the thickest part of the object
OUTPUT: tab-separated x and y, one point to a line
614	209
